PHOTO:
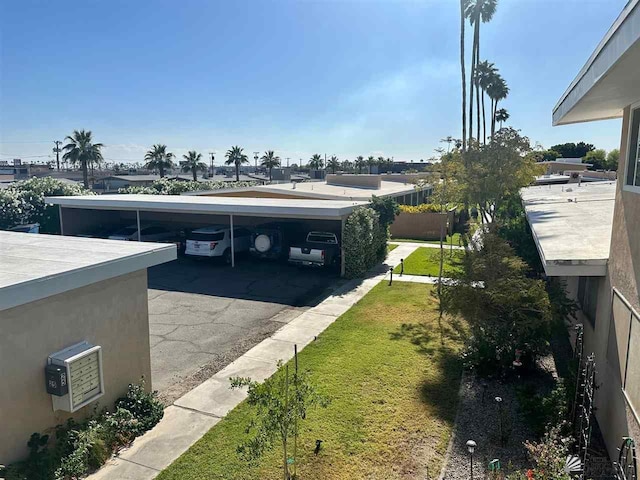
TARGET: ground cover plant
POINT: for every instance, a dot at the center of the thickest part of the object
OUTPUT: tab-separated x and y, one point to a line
392	381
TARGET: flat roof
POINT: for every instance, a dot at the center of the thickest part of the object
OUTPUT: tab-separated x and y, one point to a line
608	82
34	266
242	206
325	191
571	226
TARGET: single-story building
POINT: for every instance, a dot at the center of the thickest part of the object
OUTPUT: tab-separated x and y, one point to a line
75	329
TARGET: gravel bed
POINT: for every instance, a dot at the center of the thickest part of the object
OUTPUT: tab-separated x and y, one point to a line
478	420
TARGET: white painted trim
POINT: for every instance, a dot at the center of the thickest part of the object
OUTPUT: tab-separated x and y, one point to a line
39	288
632	188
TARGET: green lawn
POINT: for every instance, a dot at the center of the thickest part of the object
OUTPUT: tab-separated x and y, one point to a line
457	241
393	388
426	261
391	248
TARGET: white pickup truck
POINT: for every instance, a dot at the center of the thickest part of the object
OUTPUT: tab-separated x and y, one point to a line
321	249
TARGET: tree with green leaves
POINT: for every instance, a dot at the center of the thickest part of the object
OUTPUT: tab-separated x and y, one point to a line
333	163
573	150
159	159
463	8
236	157
269	160
81	151
486	74
597	158
347	165
360	162
316	162
613	157
193	163
371	162
281	404
497	90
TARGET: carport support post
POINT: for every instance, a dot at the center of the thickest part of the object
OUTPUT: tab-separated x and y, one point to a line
342	261
233	250
138	222
61	223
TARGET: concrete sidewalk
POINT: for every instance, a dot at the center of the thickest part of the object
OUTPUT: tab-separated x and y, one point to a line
426	245
193	414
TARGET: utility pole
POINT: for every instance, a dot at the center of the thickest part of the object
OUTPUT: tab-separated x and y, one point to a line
288	162
255	157
213	156
57	152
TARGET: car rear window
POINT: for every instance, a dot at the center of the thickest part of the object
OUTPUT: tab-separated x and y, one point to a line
318	238
127	231
207	237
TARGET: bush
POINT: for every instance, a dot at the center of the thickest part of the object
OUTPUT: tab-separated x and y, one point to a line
80	448
543	411
364	241
176	187
425	208
23	202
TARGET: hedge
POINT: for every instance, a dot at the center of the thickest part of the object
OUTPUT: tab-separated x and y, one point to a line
364	241
176	187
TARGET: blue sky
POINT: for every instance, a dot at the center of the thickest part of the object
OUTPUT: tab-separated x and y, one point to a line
336	77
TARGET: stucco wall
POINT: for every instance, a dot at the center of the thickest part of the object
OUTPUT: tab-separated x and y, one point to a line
352	180
112	313
421	226
614	415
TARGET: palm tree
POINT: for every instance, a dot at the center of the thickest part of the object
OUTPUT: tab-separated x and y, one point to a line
477	11
463	7
159	159
333	163
237	158
360	162
497	90
316	162
501	116
347	166
485	74
192	163
81	150
371	161
270	160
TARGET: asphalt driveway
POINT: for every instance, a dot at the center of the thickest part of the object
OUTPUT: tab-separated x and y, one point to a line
204	315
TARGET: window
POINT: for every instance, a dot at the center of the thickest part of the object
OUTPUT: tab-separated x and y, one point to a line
624	347
588	297
633	153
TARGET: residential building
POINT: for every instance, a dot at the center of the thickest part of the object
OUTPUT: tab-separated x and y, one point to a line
603	267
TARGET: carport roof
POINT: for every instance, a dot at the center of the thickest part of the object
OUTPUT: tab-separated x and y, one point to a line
35	266
253	207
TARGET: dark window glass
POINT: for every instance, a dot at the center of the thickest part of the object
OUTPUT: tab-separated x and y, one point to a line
633	155
207	237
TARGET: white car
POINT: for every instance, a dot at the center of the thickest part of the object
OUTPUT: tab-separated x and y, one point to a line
148	233
215	241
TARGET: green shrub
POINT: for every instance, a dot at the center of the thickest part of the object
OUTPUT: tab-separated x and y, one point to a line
23	202
144	407
543	410
165	186
364	241
425	208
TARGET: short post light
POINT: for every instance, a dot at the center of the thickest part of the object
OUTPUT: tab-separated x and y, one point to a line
471	447
499	404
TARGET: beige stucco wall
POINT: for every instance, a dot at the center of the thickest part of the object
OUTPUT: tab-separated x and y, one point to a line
112	313
353	180
421	226
614	415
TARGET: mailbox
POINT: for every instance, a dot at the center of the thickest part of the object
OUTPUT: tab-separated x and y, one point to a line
79	368
56	376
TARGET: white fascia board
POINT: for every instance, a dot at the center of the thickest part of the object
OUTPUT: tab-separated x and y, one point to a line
37	289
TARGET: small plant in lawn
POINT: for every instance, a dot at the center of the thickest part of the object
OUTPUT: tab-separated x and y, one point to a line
281	404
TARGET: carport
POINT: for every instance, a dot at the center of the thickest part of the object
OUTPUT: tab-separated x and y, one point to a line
86	214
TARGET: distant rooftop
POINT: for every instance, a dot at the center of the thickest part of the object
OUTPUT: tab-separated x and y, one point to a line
571	226
34	266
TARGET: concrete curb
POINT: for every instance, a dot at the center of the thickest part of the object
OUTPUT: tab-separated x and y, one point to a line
193	414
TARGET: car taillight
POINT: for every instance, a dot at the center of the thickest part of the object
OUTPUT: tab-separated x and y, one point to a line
212	245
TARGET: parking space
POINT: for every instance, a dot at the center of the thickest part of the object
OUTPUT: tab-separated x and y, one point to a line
204	314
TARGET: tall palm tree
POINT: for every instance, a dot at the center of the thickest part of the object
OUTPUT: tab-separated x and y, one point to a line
371	161
463	7
347	166
333	163
192	163
316	162
360	162
485	75
159	159
497	90
501	116
81	150
270	160
236	157
478	11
